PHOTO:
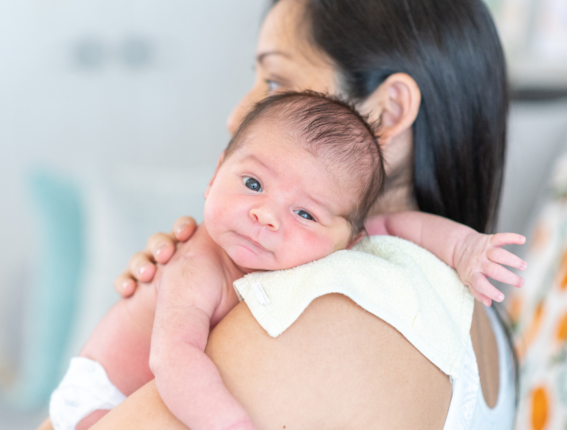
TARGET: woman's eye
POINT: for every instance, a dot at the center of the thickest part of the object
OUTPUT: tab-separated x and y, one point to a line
252	183
304	215
272	86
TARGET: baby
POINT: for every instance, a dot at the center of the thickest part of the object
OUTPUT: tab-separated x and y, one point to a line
294	185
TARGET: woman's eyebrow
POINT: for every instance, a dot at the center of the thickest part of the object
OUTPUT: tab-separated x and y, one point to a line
261	56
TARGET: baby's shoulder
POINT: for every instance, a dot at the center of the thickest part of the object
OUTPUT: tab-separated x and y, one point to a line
197	262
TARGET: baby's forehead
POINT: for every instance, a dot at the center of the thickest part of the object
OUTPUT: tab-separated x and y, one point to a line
280	132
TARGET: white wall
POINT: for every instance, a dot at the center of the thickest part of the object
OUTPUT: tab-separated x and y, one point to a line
168	110
537	135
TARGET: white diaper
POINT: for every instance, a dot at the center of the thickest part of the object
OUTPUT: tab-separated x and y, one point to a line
84	389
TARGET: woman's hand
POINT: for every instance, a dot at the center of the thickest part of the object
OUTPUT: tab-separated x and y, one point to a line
160	249
480	256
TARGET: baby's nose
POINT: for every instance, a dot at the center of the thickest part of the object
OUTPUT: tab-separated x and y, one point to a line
265	217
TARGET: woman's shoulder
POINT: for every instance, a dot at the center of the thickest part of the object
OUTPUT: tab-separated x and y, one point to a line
337	364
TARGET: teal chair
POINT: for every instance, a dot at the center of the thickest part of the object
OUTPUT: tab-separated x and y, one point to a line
53	295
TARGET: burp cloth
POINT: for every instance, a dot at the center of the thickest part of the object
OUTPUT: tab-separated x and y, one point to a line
396	280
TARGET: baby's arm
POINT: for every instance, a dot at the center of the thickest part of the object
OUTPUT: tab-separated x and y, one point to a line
475	256
186	378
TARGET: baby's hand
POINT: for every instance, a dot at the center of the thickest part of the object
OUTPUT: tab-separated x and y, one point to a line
480	256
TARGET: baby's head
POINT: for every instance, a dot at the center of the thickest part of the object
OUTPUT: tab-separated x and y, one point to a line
295	183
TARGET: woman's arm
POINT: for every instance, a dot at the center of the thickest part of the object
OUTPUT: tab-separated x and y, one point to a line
337	366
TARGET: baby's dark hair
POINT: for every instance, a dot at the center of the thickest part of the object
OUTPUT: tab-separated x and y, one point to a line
333	129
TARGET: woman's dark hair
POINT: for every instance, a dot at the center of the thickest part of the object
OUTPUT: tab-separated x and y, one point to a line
452	51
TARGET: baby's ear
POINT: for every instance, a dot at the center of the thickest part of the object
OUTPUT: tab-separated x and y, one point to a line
357	239
208	189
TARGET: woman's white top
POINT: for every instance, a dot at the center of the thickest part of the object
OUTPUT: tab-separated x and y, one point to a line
410	289
468	409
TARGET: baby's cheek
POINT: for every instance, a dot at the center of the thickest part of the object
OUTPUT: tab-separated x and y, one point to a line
213	217
315	246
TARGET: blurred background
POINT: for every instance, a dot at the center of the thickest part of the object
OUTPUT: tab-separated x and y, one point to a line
112	116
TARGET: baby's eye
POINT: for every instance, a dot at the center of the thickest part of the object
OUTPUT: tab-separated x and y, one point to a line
252	183
304	215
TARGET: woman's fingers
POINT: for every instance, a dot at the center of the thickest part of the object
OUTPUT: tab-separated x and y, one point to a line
501	274
161	246
160	249
124	284
184	228
141	267
501	256
501	239
482	286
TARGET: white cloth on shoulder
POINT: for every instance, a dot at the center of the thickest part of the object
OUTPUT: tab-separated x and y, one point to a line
84	389
401	283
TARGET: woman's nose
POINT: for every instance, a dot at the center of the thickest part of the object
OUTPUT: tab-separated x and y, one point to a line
265	217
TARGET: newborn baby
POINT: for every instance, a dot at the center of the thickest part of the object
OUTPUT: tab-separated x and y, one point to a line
294	185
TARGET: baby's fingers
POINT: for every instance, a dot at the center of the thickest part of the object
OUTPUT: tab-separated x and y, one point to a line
501	239
501	274
482	287
501	256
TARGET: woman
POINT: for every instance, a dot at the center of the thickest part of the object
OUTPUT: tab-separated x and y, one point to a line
432	72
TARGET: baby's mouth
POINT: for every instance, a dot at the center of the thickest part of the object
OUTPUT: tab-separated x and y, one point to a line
253	242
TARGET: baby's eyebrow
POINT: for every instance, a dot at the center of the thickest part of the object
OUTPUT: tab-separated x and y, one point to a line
256	159
319	202
323	204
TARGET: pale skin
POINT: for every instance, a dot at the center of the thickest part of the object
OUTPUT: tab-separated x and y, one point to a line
268	199
249	361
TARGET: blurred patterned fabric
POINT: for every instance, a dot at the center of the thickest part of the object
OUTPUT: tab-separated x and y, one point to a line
539	315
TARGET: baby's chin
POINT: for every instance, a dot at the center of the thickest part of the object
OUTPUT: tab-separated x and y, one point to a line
249	261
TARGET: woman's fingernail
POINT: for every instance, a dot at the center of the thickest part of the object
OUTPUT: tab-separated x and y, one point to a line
126	284
161	248
181	227
144	268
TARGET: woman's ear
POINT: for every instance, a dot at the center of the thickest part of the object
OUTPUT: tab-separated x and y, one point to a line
208	190
394	105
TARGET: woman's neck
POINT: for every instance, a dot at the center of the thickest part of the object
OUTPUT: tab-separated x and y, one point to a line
397	195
